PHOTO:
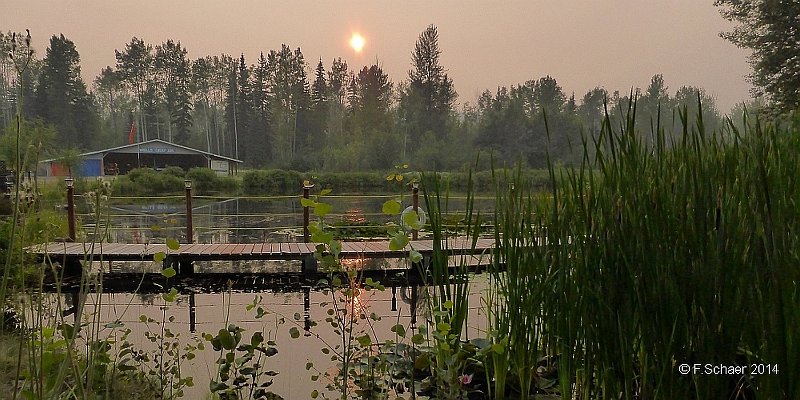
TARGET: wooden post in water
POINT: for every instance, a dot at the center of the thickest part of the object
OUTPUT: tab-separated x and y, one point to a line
192	313
414	236
415	205
306	193
186	267
307	310
70	208
187	183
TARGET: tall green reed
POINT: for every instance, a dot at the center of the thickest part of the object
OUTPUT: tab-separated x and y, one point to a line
681	251
519	280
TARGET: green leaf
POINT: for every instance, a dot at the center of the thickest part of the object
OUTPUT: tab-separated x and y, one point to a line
411	220
322	209
390	177
294	332
170	297
443	327
418	339
226	339
364	341
498	348
325	192
307	202
414	256
159	257
400	330
169	272
392	207
336	247
448	304
322	237
398	242
173	244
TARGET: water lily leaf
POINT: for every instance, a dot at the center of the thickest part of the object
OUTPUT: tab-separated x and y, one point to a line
294	332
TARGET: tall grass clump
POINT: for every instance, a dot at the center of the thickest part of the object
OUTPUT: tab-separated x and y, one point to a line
682	251
519	280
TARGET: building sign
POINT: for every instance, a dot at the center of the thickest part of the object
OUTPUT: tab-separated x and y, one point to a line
219	166
158	150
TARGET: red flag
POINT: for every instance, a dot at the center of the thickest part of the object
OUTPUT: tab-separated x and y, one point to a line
132	135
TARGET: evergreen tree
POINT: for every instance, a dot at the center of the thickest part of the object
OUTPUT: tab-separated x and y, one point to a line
61	97
290	103
371	119
19	69
239	112
172	67
261	103
427	102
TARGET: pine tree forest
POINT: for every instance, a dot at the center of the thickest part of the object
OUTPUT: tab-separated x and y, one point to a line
283	110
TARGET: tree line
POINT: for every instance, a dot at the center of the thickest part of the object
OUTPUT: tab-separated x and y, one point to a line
282	111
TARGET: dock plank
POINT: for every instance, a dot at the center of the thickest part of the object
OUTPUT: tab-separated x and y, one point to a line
250	251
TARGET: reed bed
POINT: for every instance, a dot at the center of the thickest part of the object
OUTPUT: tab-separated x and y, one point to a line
649	256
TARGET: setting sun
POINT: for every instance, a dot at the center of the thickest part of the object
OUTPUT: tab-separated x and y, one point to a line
357	42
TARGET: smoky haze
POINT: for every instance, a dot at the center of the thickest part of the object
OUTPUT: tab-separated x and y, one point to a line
615	44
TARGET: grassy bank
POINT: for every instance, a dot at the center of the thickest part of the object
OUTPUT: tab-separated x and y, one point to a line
148	182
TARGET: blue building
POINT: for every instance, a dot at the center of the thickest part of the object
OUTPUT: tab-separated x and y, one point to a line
156	153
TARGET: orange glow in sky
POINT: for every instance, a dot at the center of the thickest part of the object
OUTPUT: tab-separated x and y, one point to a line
357	42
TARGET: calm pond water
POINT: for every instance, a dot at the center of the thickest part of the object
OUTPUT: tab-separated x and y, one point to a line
251	220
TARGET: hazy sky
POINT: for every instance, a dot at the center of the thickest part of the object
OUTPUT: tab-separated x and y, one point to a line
615	44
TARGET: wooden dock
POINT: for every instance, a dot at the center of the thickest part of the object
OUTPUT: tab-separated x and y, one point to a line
73	256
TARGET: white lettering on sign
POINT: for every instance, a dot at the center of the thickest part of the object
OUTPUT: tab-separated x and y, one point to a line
156	150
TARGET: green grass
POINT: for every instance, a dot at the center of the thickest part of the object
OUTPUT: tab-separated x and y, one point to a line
676	252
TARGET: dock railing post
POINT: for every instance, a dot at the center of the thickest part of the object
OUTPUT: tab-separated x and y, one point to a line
415	205
70	208
414	236
187	183
306	193
186	267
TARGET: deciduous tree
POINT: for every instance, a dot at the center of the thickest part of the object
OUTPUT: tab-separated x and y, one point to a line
771	29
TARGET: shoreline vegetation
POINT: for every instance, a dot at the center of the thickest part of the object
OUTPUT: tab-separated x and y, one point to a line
270	182
654	252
